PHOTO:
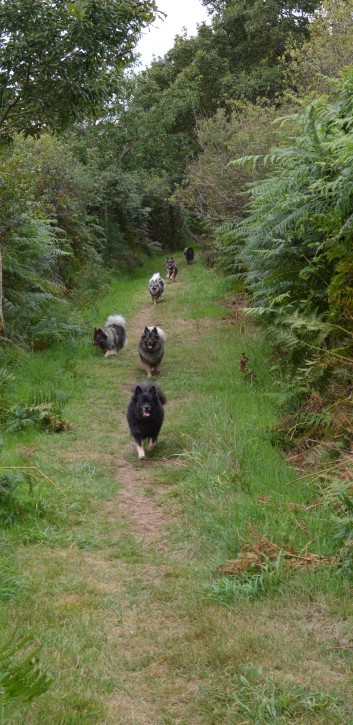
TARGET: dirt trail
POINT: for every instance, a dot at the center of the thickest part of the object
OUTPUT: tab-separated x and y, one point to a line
146	625
131	504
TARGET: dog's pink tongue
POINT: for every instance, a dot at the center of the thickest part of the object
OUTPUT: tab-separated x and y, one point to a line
146	414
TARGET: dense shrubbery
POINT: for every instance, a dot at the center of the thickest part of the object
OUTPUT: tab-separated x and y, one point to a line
294	253
41	246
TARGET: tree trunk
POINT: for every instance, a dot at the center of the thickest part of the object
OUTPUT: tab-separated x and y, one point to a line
2	324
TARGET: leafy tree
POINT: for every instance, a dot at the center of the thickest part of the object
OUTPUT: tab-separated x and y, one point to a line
59	59
251	36
215	188
327	50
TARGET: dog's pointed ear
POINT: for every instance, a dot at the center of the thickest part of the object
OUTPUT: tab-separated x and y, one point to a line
155	330
153	390
137	391
145	332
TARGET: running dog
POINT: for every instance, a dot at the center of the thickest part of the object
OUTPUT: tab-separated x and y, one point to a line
151	349
189	254
112	337
156	287
171	269
145	415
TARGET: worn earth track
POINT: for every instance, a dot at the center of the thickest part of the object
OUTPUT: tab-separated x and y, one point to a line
147	627
145	516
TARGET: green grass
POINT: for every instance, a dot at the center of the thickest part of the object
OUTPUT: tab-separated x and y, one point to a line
133	630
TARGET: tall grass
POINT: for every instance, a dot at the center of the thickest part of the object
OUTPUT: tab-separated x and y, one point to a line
133	632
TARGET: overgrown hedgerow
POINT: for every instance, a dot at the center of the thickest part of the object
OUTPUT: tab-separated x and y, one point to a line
294	255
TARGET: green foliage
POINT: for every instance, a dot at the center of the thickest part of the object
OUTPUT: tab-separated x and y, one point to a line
51	243
266	700
150	134
59	60
214	187
12	580
43	412
294	255
11	509
344	526
251	36
131	197
295	243
21	676
265	582
328	49
30	247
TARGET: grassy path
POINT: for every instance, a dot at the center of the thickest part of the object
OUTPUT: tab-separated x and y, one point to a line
112	568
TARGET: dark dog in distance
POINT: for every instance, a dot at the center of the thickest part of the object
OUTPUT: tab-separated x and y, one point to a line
171	269
145	415
151	349
156	287
189	254
112	337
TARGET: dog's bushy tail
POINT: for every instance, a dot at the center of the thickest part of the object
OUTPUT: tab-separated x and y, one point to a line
116	320
155	277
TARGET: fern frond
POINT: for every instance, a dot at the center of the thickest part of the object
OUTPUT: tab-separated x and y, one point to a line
21	676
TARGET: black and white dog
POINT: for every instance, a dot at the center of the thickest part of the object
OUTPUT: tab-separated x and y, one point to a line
151	349
189	254
112	337
156	287
145	415
171	269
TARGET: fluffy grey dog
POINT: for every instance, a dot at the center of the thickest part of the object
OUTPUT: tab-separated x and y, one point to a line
156	287
151	349
112	337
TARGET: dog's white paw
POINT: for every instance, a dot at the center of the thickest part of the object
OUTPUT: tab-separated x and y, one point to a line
140	452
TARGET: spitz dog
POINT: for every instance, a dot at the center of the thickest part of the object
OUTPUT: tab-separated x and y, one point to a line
156	287
145	415
189	254
151	349
171	269
112	337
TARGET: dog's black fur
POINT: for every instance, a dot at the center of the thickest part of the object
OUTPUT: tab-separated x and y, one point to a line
151	349
171	269
145	415
112	337
189	254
